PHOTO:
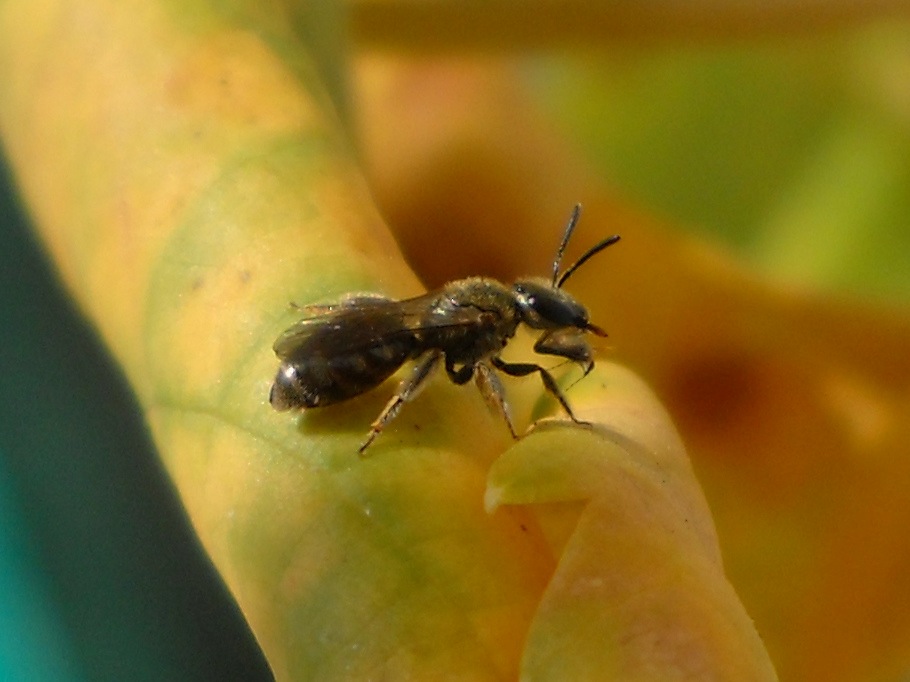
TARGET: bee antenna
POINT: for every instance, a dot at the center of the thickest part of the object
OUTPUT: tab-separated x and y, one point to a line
570	228
590	253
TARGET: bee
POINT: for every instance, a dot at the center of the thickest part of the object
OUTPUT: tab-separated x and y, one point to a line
341	350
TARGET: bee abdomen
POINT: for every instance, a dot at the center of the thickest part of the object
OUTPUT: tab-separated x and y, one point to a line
320	380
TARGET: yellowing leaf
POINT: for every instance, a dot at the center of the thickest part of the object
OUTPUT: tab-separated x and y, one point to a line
639	591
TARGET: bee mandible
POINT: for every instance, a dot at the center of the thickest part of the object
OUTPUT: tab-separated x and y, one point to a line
340	350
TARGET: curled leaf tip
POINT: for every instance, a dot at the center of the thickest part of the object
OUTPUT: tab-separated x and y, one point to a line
491	499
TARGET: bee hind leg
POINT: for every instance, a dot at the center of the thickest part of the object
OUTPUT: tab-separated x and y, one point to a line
407	390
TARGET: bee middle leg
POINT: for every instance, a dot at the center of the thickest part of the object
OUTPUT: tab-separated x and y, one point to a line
407	389
522	369
459	376
489	385
493	393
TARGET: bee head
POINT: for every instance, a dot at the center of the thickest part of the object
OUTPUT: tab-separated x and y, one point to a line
543	306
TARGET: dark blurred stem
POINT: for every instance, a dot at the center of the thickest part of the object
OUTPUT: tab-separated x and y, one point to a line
520	25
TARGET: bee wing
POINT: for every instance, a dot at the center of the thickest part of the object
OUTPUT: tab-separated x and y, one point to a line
349	324
361	322
431	311
314	310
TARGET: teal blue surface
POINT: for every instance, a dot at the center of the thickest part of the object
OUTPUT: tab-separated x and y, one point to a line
34	645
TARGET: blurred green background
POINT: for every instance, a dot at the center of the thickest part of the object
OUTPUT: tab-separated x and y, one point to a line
794	152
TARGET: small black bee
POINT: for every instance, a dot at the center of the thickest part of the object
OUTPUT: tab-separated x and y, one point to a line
343	349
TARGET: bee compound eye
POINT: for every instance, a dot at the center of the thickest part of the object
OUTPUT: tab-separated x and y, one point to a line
559	310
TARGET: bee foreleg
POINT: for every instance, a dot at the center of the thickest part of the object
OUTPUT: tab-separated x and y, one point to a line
569	345
521	369
492	391
407	389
